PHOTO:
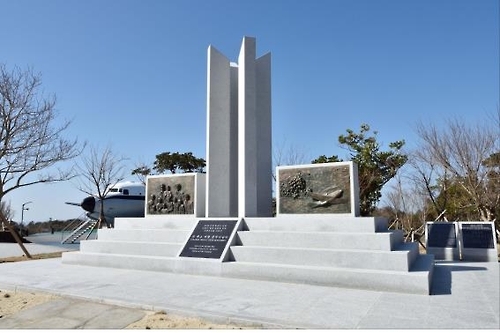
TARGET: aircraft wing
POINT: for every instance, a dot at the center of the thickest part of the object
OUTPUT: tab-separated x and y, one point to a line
320	197
324	197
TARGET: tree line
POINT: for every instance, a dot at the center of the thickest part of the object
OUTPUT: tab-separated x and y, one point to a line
33	227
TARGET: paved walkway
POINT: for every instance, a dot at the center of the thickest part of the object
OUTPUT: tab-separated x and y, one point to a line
41	243
465	296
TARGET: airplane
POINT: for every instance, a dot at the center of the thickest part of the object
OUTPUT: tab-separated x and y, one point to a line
329	197
124	199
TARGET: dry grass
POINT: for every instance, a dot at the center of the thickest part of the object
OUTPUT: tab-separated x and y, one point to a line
33	257
12	302
162	320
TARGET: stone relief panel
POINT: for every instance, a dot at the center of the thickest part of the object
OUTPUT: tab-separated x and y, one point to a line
171	195
315	189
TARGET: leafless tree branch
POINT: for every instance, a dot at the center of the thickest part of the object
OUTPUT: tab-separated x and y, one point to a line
100	170
459	152
31	139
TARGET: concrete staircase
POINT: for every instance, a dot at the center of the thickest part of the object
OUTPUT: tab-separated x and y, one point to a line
344	252
351	252
151	243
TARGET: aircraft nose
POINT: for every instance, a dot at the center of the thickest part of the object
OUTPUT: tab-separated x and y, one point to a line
88	204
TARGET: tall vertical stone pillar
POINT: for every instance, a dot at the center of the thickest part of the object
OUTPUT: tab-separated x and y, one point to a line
254	132
222	137
239	170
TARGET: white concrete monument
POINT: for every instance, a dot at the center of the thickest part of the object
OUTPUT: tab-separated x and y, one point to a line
315	238
239	169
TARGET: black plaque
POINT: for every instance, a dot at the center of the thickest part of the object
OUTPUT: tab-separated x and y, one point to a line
478	236
208	239
441	235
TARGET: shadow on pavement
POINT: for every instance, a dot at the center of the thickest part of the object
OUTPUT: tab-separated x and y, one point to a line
442	279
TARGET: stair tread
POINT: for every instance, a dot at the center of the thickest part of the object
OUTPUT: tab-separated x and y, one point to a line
122	255
324	268
326	232
129	241
148	229
239	263
250	247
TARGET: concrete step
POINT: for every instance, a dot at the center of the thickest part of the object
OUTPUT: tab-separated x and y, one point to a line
152	249
344	252
145	263
159	264
322	240
145	235
318	222
400	260
412	282
181	222
416	281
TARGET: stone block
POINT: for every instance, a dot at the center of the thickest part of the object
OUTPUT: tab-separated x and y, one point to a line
153	249
322	240
222	136
340	258
413	282
125	261
176	194
318	222
181	222
324	188
478	241
144	235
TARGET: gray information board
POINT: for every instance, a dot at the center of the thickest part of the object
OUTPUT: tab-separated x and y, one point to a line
478	241
441	235
442	240
478	235
209	239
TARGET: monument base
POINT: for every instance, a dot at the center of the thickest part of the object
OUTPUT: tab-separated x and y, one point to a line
351	252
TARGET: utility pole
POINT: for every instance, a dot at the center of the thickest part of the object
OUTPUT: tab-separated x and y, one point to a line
23	209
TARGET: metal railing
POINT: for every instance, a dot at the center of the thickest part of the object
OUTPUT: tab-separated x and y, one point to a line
78	229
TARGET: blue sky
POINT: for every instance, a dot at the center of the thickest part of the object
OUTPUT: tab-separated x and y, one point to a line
132	73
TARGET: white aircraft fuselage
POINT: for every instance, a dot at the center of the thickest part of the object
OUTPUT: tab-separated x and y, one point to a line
125	199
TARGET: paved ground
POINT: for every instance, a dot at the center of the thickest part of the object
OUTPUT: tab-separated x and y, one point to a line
465	296
41	243
70	313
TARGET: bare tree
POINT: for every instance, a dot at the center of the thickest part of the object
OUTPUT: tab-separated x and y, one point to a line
425	179
408	205
288	154
456	155
100	171
30	139
6	211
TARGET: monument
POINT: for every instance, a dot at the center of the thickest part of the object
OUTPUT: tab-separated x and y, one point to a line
239	169
220	223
